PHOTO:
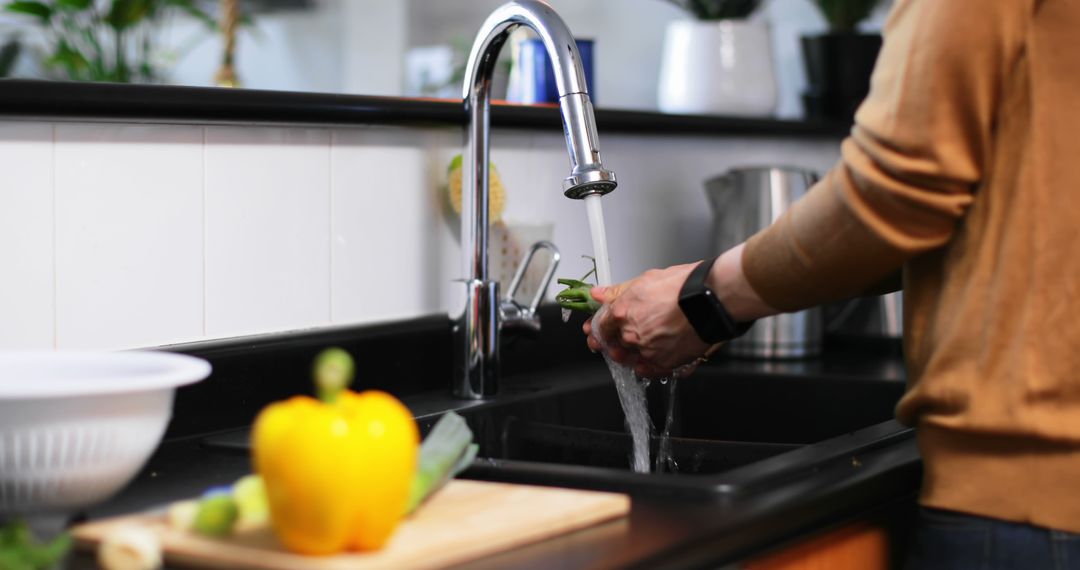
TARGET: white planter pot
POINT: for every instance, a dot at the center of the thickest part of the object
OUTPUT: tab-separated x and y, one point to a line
723	67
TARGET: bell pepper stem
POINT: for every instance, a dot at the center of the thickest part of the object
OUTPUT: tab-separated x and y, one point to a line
333	372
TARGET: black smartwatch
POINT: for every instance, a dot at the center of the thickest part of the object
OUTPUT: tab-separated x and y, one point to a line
704	310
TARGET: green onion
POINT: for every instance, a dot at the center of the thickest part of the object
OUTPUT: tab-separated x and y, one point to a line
446	451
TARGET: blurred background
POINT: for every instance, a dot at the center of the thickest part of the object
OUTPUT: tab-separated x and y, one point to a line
413	47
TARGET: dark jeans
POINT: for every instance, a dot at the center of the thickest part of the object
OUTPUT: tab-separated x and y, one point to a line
947	540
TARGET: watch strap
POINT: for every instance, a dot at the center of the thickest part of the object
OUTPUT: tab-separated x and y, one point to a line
704	311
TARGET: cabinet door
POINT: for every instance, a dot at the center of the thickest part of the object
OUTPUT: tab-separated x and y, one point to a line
876	542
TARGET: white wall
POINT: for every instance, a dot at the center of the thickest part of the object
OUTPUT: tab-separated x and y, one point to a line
119	236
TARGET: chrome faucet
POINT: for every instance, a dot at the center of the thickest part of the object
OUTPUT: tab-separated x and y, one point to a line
477	329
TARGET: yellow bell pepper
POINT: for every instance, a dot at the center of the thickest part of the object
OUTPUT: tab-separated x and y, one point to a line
338	471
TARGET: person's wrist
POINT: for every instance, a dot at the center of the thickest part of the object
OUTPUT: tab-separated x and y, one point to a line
729	284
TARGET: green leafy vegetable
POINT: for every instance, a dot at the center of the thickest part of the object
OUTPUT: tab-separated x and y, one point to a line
577	295
19	550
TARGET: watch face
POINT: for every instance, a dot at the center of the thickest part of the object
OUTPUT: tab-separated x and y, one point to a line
702	309
697	307
707	315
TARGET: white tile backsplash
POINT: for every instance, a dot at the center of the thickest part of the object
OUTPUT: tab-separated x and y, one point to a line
383	209
175	233
267	229
26	236
128	235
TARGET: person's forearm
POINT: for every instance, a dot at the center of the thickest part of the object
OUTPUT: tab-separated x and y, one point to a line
728	281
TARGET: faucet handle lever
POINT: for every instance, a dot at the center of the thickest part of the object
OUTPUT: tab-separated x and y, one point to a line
512	307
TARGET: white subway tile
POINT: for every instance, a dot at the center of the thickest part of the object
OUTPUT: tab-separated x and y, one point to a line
387	210
267	229
129	265
26	236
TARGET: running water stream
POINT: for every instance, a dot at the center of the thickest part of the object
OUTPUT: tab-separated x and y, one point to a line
631	389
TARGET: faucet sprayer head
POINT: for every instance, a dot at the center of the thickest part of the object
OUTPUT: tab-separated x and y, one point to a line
595	181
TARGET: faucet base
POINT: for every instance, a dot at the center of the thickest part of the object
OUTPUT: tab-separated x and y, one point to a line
476	338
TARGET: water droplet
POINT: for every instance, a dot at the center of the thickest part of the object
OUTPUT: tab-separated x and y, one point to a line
566	315
664	380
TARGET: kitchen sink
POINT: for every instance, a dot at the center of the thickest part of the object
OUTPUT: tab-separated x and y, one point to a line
729	432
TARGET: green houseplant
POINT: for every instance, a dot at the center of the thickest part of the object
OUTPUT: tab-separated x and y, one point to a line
845	15
839	62
711	10
9	56
105	40
718	63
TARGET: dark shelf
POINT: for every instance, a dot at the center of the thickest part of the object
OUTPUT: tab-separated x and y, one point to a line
108	102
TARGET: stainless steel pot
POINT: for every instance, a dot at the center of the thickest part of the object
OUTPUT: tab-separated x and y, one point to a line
744	201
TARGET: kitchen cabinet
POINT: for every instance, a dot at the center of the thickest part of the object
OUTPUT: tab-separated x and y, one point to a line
877	542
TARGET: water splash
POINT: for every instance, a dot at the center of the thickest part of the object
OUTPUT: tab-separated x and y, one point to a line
632	398
631	390
665	460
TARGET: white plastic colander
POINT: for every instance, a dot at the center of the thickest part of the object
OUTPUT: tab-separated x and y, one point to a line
75	427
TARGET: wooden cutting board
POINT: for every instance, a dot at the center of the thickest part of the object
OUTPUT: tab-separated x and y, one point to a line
464	521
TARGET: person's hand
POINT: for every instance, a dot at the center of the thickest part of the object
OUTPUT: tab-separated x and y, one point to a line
642	325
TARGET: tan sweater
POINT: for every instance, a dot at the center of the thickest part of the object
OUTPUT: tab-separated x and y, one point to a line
964	169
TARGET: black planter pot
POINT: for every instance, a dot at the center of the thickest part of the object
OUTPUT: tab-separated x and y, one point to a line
838	68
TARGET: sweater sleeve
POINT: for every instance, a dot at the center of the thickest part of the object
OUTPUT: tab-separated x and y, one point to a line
913	160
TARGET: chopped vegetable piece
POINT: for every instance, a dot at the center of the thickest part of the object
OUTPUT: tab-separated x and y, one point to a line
130	548
254	509
445	452
181	515
216	515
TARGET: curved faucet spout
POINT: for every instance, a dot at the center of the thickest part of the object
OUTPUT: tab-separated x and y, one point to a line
477	329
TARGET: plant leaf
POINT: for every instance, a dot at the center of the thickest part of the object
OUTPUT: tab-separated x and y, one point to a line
74	4
9	54
38	9
845	15
70	60
719	9
126	13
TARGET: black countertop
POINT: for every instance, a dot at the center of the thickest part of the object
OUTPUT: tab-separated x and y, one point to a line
69	101
664	532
